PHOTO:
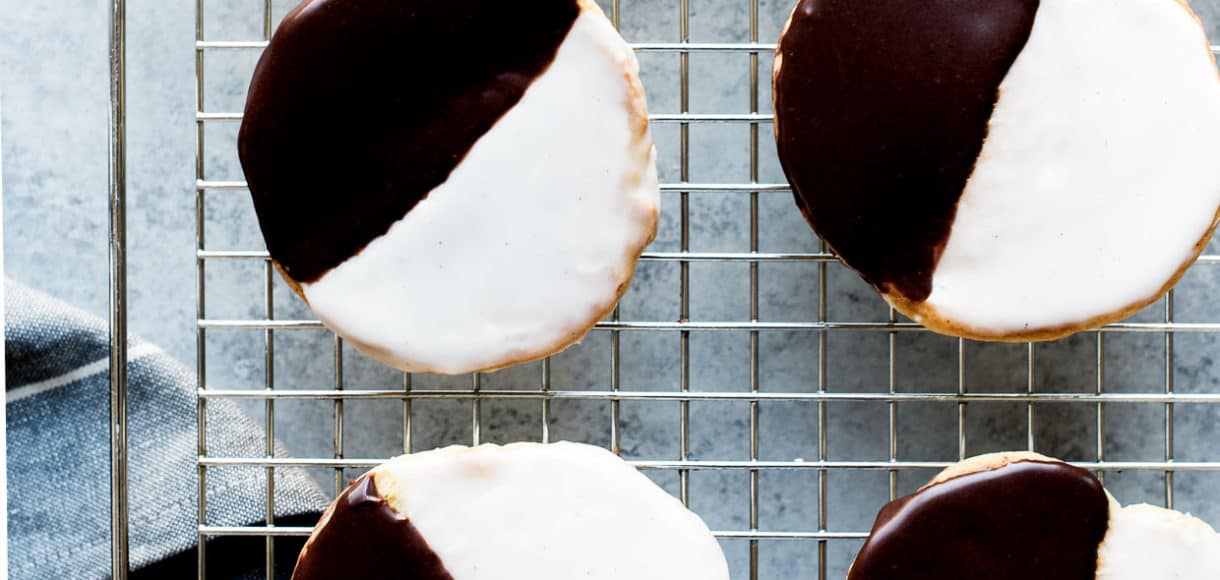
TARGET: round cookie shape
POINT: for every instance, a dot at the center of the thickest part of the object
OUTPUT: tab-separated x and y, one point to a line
1003	169
451	187
526	510
1024	515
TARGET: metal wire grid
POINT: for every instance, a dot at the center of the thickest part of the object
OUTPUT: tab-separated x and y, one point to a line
545	394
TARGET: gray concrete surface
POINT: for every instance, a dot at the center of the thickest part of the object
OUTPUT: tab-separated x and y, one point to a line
54	85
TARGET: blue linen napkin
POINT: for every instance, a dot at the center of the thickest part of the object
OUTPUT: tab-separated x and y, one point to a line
57	388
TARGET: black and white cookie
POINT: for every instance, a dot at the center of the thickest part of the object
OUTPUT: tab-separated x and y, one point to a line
522	511
452	186
1004	169
1017	516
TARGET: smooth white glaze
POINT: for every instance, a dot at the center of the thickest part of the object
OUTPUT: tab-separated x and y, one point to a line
1151	543
1099	175
549	512
531	237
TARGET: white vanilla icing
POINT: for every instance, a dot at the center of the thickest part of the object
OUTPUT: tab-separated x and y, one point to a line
1099	175
1151	543
531	238
555	511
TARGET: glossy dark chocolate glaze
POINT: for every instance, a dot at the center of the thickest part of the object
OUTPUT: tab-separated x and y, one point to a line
366	538
359	108
882	109
1023	521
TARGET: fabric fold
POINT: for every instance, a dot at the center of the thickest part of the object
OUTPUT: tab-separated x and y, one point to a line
57	395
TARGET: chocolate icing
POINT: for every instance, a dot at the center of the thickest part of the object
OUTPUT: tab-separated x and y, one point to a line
881	111
1025	520
366	538
359	108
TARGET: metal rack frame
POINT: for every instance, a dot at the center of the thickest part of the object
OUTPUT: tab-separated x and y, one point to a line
613	393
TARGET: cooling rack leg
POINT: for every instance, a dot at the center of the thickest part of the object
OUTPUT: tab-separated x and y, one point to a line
545	387
269	374
961	393
118	290
269	414
1101	410
1169	361
615	436
1031	383
684	298
476	410
893	405
754	387
615	445
201	407
822	483
406	413
337	431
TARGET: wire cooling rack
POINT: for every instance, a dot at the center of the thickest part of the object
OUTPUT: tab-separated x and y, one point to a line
876	403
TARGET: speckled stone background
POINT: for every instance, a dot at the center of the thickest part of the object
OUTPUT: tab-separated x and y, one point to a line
53	78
